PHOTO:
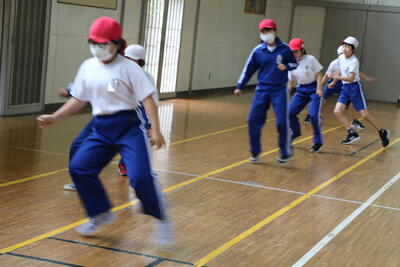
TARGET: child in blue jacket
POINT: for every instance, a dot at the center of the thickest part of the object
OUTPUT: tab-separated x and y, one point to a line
273	59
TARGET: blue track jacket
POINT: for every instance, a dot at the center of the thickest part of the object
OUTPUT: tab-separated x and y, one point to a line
266	62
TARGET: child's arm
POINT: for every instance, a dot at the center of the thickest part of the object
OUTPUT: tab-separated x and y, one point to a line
70	107
249	69
289	86
319	84
324	78
332	84
366	78
156	138
349	79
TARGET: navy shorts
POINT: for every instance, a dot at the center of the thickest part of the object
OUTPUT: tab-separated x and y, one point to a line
353	93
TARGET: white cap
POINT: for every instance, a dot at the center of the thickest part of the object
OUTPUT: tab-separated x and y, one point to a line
351	40
135	52
340	50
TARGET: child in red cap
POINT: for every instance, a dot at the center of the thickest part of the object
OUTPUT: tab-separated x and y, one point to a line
114	86
308	77
273	59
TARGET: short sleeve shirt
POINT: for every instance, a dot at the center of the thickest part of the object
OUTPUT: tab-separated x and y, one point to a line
349	65
118	85
306	71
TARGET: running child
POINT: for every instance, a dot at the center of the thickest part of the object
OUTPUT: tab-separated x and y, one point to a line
352	92
308	76
273	59
114	86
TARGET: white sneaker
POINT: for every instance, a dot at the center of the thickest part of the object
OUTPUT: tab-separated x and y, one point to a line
254	159
94	224
163	233
70	187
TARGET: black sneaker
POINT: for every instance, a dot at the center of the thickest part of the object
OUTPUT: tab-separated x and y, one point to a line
355	124
316	148
283	159
384	135
352	136
307	119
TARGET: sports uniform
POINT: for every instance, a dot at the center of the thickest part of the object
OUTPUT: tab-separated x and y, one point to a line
268	57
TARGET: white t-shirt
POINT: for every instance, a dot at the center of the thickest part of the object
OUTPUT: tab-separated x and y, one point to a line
112	87
334	67
348	65
306	71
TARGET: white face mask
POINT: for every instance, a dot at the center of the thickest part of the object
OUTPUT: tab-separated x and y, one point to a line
267	38
101	53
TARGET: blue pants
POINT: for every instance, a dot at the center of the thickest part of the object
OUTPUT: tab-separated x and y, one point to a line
303	95
122	132
328	92
258	114
88	129
80	138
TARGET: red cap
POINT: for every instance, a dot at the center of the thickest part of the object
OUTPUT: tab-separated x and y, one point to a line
296	44
105	29
267	23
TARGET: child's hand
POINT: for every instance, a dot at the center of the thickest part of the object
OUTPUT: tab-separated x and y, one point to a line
157	139
63	93
281	66
331	75
320	93
46	120
369	79
237	92
332	84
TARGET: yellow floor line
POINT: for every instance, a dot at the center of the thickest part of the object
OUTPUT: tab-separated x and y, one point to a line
123	206
211	134
283	210
33	177
118	157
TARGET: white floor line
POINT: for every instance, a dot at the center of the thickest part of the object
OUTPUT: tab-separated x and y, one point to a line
385	207
175	172
312	252
41	151
339	199
256	185
301	193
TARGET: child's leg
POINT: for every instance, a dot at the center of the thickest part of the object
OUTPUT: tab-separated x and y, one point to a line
368	117
297	104
135	149
93	154
256	120
343	101
80	138
280	103
353	112
383	133
314	109
338	111
75	146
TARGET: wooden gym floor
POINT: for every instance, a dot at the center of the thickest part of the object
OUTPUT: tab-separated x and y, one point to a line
340	207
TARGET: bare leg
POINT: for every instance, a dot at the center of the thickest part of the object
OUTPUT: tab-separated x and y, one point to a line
368	117
338	111
353	112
